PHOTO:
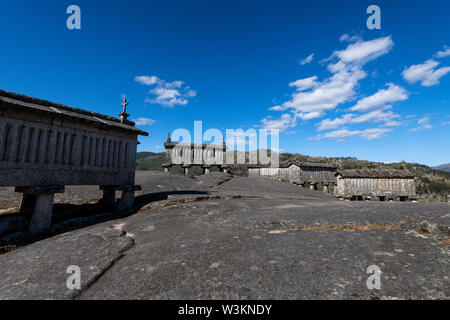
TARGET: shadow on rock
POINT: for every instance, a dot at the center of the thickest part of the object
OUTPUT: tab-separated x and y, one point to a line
69	217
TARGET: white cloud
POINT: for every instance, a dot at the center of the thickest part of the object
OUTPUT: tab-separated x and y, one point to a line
347	38
144	121
328	124
326	95
167	94
362	52
380	99
375	133
310	115
393	124
313	98
286	121
307	60
422	124
339	134
338	88
423	120
446	123
426	73
158	147
444	53
147	80
368	134
350	118
305	84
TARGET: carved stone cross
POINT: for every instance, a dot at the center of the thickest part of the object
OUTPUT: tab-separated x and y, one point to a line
124	105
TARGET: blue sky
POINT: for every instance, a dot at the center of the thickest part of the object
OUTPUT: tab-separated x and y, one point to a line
380	95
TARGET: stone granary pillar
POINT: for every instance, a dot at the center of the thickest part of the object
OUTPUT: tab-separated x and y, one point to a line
126	202
186	170
224	169
206	170
325	188
313	186
37	203
109	195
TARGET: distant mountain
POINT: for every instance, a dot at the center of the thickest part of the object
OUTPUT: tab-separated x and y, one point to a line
443	167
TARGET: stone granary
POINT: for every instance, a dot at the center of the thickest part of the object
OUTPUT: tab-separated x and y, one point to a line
301	173
375	184
45	146
190	154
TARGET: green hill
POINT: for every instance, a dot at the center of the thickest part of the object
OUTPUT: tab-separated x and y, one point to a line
443	167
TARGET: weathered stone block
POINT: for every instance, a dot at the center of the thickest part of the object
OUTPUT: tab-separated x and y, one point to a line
41	219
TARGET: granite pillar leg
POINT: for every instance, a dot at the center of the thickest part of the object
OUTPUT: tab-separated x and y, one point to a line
109	195
27	204
41	220
325	188
127	200
37	203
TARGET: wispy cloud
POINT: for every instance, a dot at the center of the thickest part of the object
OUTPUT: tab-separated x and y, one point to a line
341	134
444	53
167	94
362	52
422	124
381	99
350	118
305	84
347	38
313	98
144	121
307	60
426	73
285	122
147	80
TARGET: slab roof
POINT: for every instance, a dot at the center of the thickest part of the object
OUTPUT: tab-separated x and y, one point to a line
30	104
287	164
375	173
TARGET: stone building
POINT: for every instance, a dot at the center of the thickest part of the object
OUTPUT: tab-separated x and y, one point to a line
190	154
45	146
375	184
301	173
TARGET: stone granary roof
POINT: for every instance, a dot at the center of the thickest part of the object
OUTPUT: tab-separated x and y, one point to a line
375	173
30	104
287	164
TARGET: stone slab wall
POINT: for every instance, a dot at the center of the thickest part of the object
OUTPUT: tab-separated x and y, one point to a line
296	174
395	187
44	151
193	154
